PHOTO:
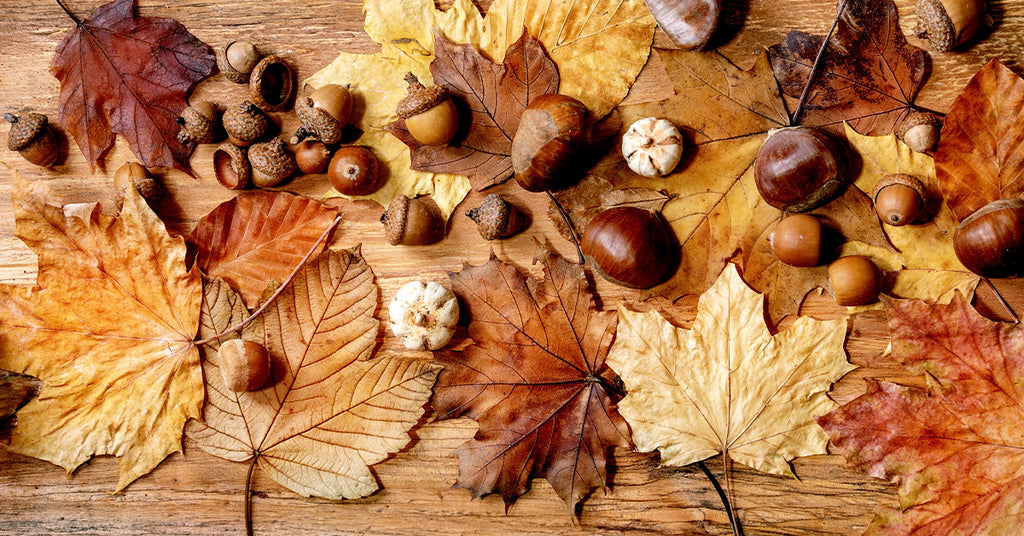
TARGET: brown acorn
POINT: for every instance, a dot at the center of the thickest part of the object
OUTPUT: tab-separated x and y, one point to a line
271	84
899	199
947	24
429	113
135	175
271	163
245	123
33	138
553	130
920	131
797	240
237	60
312	156
231	166
324	114
497	218
354	170
855	280
198	123
412	222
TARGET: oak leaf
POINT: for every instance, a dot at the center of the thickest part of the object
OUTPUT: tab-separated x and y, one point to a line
535	380
259	237
978	157
727	385
109	331
953	446
120	73
330	410
870	74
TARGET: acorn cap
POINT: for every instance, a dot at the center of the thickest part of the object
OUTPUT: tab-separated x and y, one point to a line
245	123
271	84
496	218
949	23
198	123
420	99
25	128
271	163
909	181
231	166
316	122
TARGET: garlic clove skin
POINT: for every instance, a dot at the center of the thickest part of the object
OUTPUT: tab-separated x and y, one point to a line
424	315
652	147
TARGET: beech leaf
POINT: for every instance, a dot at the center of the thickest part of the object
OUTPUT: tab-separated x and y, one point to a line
129	75
727	385
954	446
978	159
259	237
331	410
108	329
534	379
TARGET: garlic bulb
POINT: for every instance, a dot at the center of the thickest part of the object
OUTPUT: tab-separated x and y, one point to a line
652	147
424	315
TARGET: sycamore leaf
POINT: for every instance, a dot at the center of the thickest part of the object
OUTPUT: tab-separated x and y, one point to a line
15	391
331	411
535	379
129	75
954	447
110	326
727	385
978	159
869	77
494	96
259	237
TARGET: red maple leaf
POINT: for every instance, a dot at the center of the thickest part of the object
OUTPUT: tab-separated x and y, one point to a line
129	75
956	448
535	380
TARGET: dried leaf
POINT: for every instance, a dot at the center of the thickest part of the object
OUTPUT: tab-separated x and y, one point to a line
727	385
110	326
259	237
15	391
535	379
954	446
978	159
331	410
593	195
495	96
869	77
129	75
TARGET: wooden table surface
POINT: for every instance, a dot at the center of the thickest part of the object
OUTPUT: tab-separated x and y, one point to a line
196	493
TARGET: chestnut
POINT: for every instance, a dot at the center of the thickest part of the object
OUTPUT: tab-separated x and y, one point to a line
800	168
990	242
797	240
629	246
855	280
552	131
354	171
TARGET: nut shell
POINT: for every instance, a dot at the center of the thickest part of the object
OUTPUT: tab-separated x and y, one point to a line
272	84
231	166
324	114
412	222
429	113
629	246
312	156
689	23
33	138
855	280
899	199
800	168
245	123
198	123
797	240
652	147
237	60
497	218
552	131
244	365
354	170
990	242
947	24
271	163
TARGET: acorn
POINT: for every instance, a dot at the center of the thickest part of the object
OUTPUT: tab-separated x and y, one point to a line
312	156
553	131
244	365
231	166
271	163
855	280
271	84
990	242
134	174
198	123
429	113
800	168
947	24
237	60
797	240
629	246
354	170
324	114
412	222
920	131
497	218
245	123
899	199
33	138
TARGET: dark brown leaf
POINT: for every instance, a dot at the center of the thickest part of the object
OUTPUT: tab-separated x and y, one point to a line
593	195
15	391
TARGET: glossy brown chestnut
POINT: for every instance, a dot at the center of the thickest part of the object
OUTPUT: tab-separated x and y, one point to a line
629	246
990	242
552	131
797	240
354	170
855	280
800	168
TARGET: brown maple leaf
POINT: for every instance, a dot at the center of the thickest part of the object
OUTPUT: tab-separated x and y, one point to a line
869	76
492	97
535	379
259	237
120	73
978	158
955	446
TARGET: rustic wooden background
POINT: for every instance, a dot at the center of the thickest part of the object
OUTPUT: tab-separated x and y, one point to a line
196	493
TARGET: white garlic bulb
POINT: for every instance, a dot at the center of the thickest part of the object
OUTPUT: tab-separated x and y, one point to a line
424	315
652	147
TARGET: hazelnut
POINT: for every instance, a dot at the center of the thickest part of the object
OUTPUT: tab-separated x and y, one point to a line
312	156
245	123
424	315
237	60
271	84
689	23
33	138
354	170
324	114
920	131
271	163
652	147
797	240
429	113
629	246
231	166
990	242
947	24
244	365
855	280
800	168
899	199
552	131
497	218
412	222
198	123
135	175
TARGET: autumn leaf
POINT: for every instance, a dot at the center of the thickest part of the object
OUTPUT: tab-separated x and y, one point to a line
534	379
331	411
593	195
869	77
129	75
15	391
727	385
953	446
978	157
108	330
259	237
495	96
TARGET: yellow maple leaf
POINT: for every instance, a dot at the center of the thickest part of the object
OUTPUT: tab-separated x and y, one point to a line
109	331
727	385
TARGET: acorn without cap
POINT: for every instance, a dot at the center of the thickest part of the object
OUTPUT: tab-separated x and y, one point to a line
271	163
429	113
412	222
198	123
497	218
245	123
33	138
324	114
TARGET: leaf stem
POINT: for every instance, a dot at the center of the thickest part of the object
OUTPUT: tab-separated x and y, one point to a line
737	530
248	495
818	59
568	224
68	12
277	292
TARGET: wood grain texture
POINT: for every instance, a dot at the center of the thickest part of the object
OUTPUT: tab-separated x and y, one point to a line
202	495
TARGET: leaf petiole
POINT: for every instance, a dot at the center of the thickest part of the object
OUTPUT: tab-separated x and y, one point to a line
737	529
68	12
795	120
